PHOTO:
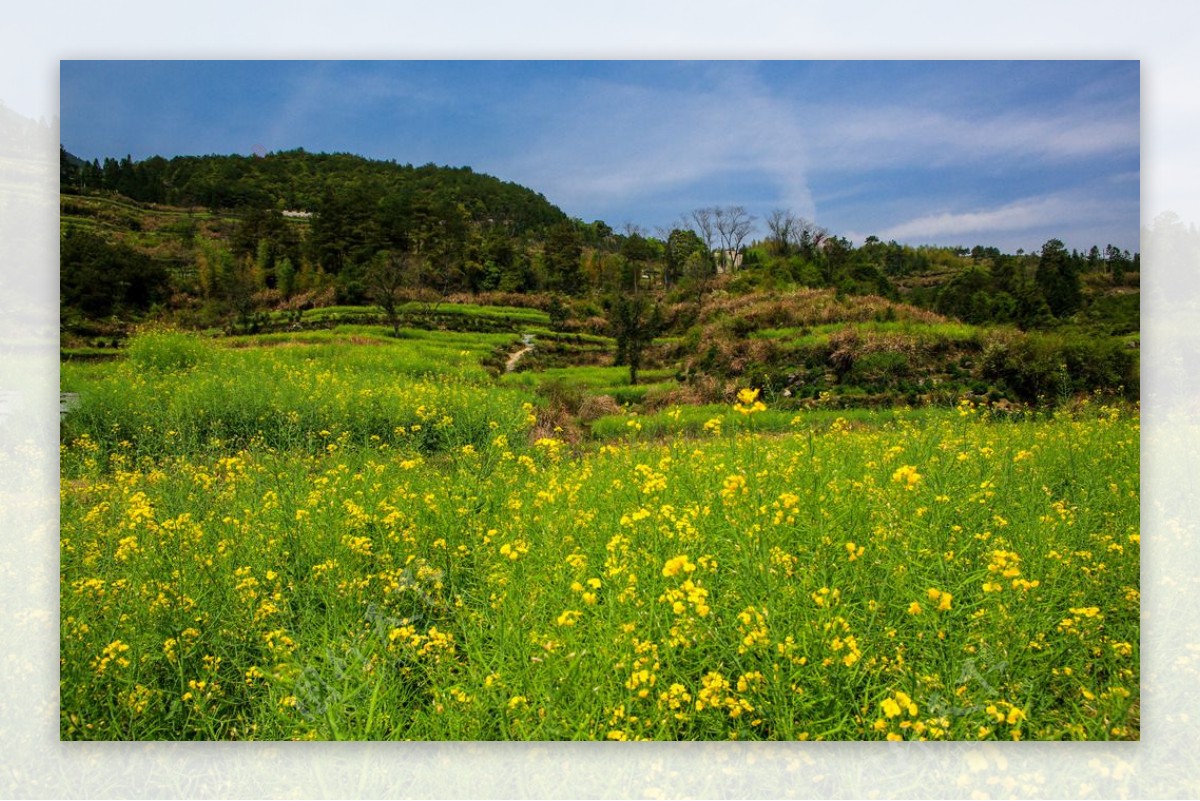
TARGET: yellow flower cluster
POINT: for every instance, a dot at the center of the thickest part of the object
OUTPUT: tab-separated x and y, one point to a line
942	599
677	564
562	550
675	700
569	618
748	402
907	476
514	550
716	693
689	592
433	643
844	644
900	720
587	593
733	486
643	674
826	597
112	654
753	629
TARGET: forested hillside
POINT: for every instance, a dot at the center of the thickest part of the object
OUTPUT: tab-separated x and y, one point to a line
251	244
307	181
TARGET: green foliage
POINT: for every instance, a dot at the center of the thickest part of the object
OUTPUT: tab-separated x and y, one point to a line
286	277
635	320
1047	367
559	312
299	180
167	351
175	394
1112	314
561	260
1057	277
683	253
468	234
101	279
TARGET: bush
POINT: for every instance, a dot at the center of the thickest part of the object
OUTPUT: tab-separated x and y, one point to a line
167	351
880	369
1055	368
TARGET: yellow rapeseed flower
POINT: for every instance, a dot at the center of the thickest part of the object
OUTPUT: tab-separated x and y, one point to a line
907	476
677	564
748	402
569	617
943	598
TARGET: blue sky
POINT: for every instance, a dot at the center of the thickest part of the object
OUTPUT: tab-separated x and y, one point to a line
1004	153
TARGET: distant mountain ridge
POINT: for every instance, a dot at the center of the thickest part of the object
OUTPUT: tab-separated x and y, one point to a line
20	136
299	180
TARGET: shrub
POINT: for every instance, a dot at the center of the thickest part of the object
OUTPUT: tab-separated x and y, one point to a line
1033	367
167	351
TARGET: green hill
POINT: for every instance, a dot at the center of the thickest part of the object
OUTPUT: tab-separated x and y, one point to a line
309	182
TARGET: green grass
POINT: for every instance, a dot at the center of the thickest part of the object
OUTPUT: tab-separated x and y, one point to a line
424	350
504	314
176	394
716	420
595	379
573	338
820	334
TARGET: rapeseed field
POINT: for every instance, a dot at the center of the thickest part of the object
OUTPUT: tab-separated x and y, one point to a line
363	541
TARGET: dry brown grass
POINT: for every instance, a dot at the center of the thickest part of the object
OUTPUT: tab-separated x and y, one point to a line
533	300
556	422
703	389
594	407
810	307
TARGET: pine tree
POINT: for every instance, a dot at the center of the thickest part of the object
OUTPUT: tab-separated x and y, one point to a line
1057	277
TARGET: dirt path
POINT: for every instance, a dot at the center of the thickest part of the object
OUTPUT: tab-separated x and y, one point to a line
527	340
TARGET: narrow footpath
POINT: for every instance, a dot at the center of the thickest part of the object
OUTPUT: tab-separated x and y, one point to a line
527	341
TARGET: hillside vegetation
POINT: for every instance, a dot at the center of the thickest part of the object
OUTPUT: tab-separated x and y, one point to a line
295	241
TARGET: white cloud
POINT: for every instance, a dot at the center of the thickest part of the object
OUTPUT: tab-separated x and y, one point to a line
1077	216
616	143
323	98
860	139
1025	213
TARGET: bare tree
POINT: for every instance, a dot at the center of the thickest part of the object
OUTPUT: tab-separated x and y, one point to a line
782	226
734	225
703	222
